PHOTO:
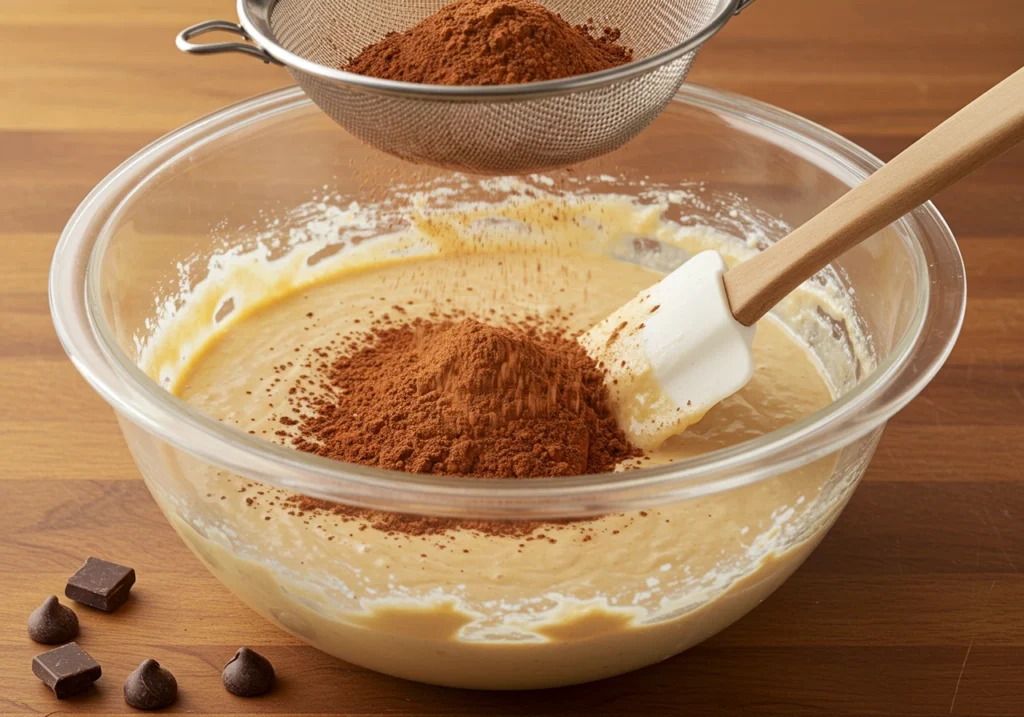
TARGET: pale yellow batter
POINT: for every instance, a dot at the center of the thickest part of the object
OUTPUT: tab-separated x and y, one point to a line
584	601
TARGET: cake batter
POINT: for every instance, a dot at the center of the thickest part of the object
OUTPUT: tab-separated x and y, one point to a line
566	604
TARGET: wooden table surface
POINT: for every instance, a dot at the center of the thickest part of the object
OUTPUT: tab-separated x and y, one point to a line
913	605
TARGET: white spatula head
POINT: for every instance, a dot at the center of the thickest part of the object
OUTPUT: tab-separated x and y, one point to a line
682	346
673	352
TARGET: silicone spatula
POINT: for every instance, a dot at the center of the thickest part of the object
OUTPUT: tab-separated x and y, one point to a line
680	347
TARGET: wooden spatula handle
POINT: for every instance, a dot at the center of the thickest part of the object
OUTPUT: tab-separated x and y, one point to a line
979	132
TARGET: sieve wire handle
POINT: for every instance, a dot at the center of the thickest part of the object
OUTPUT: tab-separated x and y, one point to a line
743	4
184	43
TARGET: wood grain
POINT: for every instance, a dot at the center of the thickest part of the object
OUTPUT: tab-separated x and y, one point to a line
913	605
963	143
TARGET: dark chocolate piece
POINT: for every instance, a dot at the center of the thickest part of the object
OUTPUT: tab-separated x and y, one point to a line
52	623
66	670
248	674
102	585
150	687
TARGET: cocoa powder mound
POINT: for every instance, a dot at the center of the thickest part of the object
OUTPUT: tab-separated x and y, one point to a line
463	399
490	42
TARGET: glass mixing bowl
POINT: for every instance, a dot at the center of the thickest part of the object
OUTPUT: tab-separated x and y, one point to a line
264	167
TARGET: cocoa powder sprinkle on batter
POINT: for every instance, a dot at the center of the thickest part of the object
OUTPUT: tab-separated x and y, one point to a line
458	398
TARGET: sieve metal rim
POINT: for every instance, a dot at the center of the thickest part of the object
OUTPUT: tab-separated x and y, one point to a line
254	17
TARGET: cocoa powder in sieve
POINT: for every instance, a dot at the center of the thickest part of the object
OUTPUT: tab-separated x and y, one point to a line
490	42
457	398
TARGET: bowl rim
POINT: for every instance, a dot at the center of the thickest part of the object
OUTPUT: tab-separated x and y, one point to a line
254	17
914	360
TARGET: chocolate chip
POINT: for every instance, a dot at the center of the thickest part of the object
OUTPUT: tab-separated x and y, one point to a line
66	670
52	623
150	687
101	584
248	674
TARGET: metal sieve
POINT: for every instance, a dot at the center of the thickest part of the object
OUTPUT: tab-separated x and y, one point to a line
481	129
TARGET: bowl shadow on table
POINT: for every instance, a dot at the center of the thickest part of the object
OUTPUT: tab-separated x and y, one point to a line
696	680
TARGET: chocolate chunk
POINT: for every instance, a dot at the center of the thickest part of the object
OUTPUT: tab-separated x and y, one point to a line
102	585
52	623
248	674
66	670
150	687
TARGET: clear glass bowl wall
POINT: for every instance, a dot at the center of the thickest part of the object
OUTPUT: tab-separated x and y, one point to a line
260	159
